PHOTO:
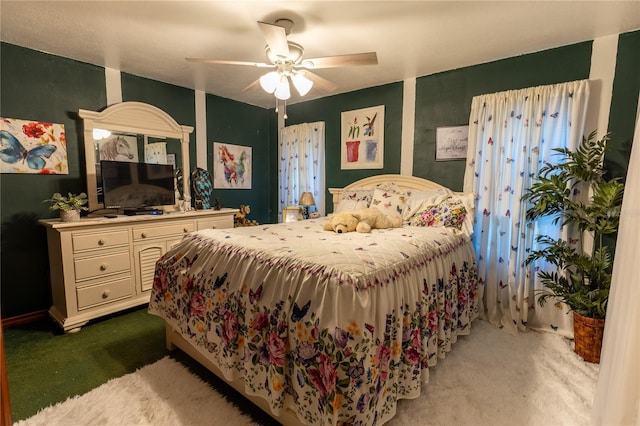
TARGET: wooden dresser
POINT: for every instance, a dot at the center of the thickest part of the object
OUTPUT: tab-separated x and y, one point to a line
99	266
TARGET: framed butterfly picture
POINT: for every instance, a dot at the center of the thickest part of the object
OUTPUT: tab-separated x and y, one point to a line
33	147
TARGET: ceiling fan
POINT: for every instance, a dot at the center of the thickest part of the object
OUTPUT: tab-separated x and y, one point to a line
285	58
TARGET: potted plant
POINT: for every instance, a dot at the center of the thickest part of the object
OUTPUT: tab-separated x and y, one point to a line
70	206
576	192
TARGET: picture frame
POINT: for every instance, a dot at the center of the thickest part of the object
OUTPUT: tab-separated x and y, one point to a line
118	147
451	143
33	147
292	214
362	138
231	166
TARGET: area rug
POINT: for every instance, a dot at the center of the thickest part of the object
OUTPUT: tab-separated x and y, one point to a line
489	378
163	393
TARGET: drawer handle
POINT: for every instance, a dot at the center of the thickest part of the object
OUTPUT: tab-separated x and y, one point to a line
103	267
101	242
106	294
143	235
185	230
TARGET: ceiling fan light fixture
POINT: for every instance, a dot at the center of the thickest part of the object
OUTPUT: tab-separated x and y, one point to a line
269	81
301	83
283	91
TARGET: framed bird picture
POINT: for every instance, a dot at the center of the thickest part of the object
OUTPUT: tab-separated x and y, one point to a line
362	138
33	147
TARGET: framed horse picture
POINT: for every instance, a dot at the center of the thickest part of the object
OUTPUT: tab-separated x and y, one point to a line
231	166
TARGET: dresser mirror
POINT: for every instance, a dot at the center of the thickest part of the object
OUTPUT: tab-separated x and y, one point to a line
139	133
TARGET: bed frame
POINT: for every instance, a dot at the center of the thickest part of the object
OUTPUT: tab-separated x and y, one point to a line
402	181
288	416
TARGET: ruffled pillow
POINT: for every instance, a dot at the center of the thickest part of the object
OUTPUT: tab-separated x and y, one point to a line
469	201
449	213
389	203
419	200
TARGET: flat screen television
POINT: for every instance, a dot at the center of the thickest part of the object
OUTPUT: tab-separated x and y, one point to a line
137	186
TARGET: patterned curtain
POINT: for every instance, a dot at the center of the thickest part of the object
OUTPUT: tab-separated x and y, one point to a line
301	165
511	135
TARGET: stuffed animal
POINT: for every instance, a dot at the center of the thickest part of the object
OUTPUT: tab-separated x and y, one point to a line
363	220
240	218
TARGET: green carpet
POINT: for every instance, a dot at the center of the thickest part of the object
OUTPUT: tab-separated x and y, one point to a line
46	366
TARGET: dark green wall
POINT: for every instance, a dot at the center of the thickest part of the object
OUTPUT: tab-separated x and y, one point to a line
38	86
444	99
227	121
328	110
236	123
178	102
43	87
624	104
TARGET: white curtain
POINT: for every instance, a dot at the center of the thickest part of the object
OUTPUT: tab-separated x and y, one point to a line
617	398
511	135
301	165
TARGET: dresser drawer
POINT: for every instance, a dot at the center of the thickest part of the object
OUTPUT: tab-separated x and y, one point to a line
104	293
99	240
103	265
141	234
215	223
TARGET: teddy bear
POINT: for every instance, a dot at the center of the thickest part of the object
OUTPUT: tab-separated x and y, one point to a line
363	220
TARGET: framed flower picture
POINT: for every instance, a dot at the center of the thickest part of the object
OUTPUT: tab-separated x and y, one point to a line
362	138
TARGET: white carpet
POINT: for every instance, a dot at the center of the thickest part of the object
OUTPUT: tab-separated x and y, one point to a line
164	393
490	378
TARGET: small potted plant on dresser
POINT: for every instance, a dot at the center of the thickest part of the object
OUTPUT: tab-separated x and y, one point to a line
70	206
582	278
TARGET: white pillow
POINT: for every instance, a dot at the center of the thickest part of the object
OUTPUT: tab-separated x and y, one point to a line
389	203
357	195
418	200
351	205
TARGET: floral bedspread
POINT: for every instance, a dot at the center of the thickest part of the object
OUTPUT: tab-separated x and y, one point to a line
340	326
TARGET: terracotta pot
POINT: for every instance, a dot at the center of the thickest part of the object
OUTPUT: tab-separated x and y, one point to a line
70	215
587	336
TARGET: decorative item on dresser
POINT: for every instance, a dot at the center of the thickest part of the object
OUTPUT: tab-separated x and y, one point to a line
240	218
70	206
103	265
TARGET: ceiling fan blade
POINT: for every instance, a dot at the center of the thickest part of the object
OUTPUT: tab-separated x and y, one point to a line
252	86
368	58
321	82
276	37
223	62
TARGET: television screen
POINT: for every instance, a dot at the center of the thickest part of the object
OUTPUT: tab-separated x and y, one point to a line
137	185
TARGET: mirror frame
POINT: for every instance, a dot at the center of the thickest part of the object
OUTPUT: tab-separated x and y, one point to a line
135	118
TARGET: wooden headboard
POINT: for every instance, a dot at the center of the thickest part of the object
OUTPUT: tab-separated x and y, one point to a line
402	181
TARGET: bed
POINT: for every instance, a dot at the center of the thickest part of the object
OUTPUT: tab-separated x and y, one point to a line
316	327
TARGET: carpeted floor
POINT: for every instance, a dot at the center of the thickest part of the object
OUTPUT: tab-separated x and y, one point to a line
490	378
162	393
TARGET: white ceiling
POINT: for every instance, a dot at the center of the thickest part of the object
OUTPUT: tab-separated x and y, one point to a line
412	38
